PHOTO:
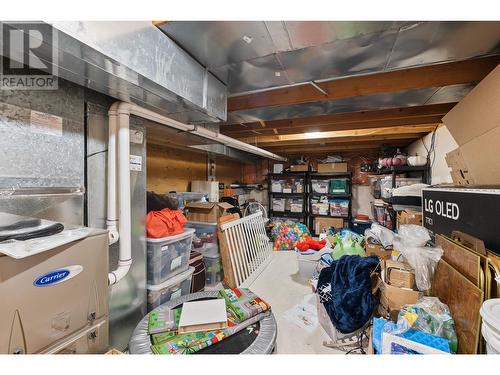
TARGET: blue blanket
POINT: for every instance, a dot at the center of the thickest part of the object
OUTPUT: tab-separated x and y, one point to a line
345	291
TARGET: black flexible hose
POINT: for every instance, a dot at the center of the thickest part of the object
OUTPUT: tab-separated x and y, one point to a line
43	232
29	223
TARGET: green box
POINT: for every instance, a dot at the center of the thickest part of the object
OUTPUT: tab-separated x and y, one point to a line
339	186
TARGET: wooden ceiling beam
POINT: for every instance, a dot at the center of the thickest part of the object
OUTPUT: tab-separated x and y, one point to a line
421	112
341	127
338	148
342	140
408	129
438	75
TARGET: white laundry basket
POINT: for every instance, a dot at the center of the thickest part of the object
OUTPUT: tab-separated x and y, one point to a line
490	312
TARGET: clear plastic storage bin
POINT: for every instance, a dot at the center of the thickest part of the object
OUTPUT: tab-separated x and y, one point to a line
320	186
296	205
173	288
205	236
279	204
386	184
168	256
213	268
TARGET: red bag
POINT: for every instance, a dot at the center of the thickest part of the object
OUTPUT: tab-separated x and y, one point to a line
164	223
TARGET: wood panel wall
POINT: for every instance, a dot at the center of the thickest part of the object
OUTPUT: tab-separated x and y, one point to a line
171	169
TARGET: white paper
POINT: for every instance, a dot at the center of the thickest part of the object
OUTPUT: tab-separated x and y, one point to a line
203	312
22	249
176	262
135	163
304	314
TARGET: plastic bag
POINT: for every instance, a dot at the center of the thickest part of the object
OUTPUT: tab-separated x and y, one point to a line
164	223
410	242
380	235
417	235
428	315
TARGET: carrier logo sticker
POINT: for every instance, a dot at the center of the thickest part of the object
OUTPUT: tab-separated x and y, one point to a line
58	276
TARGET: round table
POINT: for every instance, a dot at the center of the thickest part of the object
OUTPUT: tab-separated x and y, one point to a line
247	341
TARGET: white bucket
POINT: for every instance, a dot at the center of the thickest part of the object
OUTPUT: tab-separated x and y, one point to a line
307	263
490	329
306	267
492	341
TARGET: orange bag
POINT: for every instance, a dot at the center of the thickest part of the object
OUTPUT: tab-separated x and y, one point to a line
164	223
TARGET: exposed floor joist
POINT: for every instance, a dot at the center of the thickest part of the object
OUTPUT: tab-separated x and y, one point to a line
429	114
396	130
348	117
439	75
343	140
339	148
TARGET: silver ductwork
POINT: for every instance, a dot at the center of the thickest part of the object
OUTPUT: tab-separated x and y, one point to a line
133	62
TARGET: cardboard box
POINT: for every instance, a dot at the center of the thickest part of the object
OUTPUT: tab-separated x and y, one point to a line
471	210
206	212
478	112
321	223
475	124
392	299
399	274
476	162
332	167
378	250
299	168
409	217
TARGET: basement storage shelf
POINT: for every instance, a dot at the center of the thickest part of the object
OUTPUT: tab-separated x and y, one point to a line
168	256
288	196
395	170
382	209
330	197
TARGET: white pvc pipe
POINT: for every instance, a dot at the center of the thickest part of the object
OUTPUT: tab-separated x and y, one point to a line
202	132
119	121
112	218
120	112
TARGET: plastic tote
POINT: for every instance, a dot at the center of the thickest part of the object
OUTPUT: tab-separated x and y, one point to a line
205	236
490	329
213	267
168	256
177	286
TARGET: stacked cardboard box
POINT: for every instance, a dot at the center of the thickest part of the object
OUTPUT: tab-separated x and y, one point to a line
475	124
409	217
397	288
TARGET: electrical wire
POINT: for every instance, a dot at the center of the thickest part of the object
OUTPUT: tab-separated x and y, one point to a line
431	151
360	345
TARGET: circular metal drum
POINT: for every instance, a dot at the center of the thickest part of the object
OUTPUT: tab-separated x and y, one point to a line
258	338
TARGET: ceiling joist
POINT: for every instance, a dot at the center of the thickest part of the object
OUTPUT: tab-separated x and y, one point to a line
429	114
340	148
342	140
438	75
398	130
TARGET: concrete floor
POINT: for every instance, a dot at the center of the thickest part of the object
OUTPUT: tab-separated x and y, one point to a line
282	287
